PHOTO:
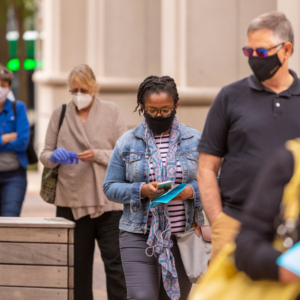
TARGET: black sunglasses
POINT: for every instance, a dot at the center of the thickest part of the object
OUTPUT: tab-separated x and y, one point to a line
261	52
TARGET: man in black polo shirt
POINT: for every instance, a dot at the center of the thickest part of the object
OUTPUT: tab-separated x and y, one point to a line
247	121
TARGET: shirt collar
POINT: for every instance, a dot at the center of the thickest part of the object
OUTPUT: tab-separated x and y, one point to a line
7	106
294	89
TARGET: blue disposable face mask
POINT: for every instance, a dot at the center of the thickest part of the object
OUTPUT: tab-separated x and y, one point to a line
3	94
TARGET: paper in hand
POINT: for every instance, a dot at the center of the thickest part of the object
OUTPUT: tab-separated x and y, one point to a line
168	196
290	259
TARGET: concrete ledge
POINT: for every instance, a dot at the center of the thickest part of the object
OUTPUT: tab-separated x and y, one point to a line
189	96
202	96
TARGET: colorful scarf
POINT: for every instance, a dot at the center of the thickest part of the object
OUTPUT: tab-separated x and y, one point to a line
160	233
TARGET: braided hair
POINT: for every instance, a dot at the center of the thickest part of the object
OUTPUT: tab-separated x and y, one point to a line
156	85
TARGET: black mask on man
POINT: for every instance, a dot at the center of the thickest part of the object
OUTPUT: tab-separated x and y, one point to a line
158	125
264	67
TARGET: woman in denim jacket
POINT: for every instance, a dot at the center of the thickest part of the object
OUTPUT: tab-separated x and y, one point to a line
157	150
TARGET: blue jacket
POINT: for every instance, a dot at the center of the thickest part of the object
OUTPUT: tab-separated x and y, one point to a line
128	170
20	124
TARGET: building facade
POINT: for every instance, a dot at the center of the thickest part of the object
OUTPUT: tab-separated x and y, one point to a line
197	42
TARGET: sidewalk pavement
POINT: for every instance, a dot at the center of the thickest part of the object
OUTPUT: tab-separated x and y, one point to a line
34	206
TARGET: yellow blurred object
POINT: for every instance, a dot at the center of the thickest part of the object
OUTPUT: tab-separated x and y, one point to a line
290	205
224	282
290	199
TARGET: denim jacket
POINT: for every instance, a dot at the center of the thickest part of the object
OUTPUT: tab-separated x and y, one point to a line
128	170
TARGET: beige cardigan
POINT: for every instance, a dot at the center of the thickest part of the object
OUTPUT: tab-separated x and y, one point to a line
80	186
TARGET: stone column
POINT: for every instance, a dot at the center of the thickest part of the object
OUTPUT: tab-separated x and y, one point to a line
291	9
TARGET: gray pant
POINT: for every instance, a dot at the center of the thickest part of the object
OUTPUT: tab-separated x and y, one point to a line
143	274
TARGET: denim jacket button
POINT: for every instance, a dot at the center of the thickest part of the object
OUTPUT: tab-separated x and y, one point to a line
144	174
142	229
145	213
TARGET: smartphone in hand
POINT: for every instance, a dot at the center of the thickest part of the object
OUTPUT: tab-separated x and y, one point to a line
166	185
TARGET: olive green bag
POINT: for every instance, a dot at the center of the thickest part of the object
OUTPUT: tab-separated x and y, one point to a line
50	176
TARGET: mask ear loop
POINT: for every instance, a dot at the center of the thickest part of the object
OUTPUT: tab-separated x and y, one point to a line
161	236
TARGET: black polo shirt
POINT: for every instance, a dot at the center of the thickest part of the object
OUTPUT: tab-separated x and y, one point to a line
245	124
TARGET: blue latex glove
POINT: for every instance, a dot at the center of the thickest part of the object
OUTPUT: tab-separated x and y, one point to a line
62	157
73	156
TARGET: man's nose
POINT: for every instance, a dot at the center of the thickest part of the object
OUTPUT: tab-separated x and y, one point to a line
254	53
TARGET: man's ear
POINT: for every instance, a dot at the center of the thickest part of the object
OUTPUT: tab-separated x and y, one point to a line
288	47
177	104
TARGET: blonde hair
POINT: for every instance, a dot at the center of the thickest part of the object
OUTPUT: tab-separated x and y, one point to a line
85	76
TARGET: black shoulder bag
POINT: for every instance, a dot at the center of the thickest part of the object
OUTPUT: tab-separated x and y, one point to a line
32	157
50	176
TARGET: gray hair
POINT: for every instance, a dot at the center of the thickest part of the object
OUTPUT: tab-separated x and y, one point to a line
276	22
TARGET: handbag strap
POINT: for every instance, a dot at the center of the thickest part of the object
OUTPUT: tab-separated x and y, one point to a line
61	119
14	106
197	229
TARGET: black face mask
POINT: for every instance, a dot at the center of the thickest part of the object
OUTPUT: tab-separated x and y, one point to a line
264	67
158	125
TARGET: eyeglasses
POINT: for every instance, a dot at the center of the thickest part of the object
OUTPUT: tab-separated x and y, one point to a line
82	91
261	52
165	112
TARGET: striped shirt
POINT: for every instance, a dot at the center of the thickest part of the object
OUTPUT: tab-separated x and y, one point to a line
175	207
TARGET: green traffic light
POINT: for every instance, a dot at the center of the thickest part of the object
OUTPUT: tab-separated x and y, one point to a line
29	64
13	64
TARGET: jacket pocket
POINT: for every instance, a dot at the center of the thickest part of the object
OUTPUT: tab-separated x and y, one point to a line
192	159
10	126
132	161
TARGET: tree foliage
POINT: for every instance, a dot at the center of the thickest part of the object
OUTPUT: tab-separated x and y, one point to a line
23	9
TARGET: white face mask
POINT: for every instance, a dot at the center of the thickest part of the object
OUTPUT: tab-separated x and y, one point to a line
3	94
81	100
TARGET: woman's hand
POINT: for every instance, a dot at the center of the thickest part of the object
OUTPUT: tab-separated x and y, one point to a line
86	156
287	276
187	193
150	190
9	137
